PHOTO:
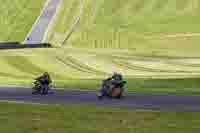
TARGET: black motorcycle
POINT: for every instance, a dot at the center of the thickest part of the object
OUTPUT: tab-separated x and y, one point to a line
40	88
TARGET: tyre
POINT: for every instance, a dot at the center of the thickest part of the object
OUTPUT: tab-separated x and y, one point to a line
119	96
34	92
45	90
100	96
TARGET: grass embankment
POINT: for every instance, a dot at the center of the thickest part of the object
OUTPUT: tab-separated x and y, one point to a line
17	18
82	69
67	15
146	41
144	27
21	118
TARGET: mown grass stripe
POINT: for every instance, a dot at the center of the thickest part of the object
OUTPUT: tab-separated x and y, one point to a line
9	75
84	66
23	64
72	65
135	67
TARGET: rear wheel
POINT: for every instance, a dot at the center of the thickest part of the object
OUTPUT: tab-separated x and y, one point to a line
37	88
119	96
35	91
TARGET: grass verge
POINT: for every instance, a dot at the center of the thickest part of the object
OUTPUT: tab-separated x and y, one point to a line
23	118
186	86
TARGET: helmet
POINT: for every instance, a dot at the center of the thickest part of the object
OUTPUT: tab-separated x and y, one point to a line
117	76
115	73
46	74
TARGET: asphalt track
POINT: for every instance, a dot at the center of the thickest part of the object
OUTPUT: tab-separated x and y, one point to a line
131	100
38	31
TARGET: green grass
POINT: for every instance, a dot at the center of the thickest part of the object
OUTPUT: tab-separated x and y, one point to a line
140	26
81	69
22	118
182	86
63	21
17	18
154	44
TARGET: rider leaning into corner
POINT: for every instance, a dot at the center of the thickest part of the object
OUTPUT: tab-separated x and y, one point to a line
45	80
112	82
116	78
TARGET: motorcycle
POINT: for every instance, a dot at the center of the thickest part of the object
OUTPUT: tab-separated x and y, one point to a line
39	88
111	90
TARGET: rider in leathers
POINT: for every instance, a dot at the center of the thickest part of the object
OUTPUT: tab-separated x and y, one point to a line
112	82
45	80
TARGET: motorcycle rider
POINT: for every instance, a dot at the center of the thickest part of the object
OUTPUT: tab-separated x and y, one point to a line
117	79
111	82
106	85
45	80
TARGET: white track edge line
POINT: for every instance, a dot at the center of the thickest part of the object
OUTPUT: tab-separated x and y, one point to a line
50	26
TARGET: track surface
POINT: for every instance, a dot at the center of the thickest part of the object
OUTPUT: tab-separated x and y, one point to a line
38	31
132	100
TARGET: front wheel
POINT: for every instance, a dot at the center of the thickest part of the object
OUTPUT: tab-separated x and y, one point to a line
45	89
100	95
